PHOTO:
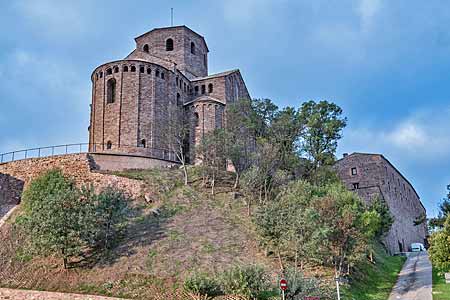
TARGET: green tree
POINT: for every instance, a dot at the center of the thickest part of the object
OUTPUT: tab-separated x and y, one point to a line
440	247
52	214
265	111
322	125
444	212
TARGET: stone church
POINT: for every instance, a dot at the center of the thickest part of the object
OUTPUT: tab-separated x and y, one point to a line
132	97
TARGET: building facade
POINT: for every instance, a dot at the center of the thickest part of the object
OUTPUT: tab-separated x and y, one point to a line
372	175
132	98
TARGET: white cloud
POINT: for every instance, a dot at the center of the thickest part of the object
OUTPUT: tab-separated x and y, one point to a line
423	135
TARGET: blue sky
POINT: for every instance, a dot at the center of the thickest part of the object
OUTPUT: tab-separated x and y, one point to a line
386	63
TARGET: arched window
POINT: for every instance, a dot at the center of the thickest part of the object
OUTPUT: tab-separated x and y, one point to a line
196	90
101	74
179	99
133	69
149	71
192	48
143	143
142	69
108	145
210	88
125	68
157	73
162	75
176	80
111	90
203	89
196	119
169	45
116	69
146	49
108	71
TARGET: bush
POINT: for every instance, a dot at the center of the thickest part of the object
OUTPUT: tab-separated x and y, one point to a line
440	248
248	281
201	284
300	286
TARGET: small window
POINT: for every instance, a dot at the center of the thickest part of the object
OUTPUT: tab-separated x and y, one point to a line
146	49
354	171
196	90
203	89
101	74
179	99
169	45
133	69
192	48
196	119
157	73
111	90
142	69
116	69
109	71
356	185
162	75
143	143
108	145
149	71
205	61
210	88
185	87
176	80
125	68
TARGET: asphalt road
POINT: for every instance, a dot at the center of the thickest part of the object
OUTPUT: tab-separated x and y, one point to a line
415	279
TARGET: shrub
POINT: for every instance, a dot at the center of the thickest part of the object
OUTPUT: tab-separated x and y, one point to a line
248	281
201	284
440	248
300	286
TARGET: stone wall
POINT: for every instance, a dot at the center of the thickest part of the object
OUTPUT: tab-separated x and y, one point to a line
76	166
372	175
10	189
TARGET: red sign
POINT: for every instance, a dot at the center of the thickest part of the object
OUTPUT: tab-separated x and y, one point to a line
311	298
283	284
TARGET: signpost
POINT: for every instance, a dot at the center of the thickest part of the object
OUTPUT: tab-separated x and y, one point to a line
283	286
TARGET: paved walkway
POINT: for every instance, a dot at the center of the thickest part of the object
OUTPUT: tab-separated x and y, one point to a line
5	212
11	294
415	279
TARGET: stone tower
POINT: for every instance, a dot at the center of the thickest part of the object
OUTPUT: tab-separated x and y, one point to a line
132	97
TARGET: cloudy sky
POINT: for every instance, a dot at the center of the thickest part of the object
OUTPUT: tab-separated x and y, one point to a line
386	63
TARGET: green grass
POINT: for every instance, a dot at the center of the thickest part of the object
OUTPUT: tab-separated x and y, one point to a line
441	290
375	281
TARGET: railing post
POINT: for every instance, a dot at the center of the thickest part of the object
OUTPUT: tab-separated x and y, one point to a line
66	149
39	152
80	148
13	156
2	158
26	152
53	150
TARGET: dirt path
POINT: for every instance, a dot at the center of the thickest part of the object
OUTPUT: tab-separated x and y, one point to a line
415	279
38	295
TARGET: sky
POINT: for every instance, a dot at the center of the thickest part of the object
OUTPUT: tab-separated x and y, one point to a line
386	63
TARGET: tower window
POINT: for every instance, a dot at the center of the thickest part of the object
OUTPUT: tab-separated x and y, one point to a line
162	75
205	62
108	145
192	48
196	119
203	89
108	71
111	90
142	69
196	90
176	80
149	71
101	74
143	143
210	88
133	69
169	45
146	49
125	68
157	73
179	99
354	171
116	69
356	185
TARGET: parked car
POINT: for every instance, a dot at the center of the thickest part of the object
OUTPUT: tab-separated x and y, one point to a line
417	247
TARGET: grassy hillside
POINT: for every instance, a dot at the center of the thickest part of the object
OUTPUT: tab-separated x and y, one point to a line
172	232
374	281
441	290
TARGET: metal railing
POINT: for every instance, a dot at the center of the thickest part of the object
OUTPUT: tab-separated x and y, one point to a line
48	151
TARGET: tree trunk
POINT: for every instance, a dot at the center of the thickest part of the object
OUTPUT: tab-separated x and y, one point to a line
249	212
236	181
185	174
64	258
280	261
213	182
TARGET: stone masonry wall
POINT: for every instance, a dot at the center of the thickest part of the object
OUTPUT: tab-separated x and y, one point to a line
375	176
75	166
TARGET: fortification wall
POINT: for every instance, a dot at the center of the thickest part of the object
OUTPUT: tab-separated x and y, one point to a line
76	166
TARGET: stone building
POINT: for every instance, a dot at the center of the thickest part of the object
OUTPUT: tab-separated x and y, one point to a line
132	98
372	175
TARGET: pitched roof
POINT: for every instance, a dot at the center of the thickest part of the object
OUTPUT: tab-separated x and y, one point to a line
221	74
385	159
204	98
175	27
